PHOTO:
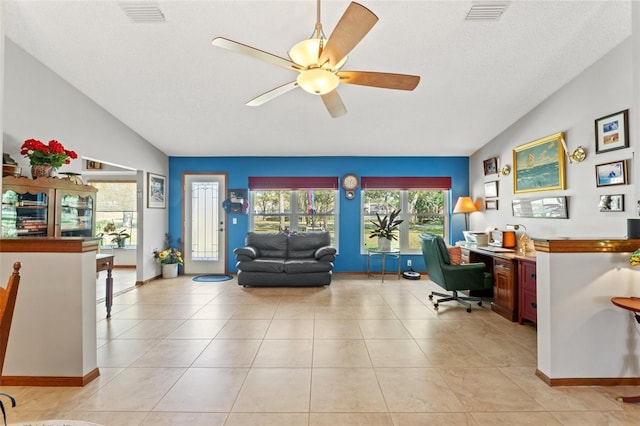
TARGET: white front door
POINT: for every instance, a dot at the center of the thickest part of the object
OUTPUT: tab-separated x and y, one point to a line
205	250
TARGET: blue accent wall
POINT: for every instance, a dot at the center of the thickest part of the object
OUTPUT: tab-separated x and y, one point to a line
239	169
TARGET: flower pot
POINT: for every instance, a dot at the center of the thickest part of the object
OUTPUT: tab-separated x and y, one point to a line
42	170
384	244
169	270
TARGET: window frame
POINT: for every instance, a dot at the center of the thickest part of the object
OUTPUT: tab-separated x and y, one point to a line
294	213
404	229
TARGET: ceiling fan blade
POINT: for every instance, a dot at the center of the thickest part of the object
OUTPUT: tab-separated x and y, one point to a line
355	23
234	46
334	104
380	79
272	94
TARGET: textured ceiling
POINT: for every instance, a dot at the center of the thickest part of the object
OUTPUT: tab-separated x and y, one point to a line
169	84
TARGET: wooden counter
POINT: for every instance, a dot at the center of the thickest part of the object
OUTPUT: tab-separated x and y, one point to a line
583	338
580	245
53	333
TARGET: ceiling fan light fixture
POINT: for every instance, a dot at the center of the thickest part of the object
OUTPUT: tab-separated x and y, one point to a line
318	81
306	52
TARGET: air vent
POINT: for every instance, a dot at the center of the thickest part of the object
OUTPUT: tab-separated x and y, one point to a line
143	13
486	10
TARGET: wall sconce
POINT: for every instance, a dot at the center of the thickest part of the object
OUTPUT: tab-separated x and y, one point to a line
505	171
578	155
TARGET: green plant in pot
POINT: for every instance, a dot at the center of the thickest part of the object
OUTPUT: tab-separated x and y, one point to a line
386	229
119	237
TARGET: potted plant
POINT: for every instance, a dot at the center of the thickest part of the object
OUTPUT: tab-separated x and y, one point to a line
386	228
119	237
169	258
46	158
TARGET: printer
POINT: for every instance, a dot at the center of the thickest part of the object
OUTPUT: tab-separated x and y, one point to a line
479	238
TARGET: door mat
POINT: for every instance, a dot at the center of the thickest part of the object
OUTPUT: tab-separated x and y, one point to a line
212	278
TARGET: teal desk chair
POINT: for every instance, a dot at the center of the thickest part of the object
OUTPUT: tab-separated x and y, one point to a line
453	278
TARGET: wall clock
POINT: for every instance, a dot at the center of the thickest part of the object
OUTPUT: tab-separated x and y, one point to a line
350	183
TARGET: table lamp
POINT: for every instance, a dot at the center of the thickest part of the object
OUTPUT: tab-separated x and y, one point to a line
465	205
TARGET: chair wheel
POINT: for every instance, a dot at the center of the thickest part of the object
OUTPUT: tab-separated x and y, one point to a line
431	297
468	309
480	303
435	306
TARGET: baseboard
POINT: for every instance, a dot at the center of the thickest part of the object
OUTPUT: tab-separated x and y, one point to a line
49	380
589	381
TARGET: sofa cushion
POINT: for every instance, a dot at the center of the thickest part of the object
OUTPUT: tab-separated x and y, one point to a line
268	244
264	264
455	254
302	266
305	244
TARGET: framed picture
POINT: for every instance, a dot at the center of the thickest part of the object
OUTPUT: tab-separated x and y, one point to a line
612	132
491	189
156	191
539	165
543	207
490	166
611	203
614	173
491	205
93	165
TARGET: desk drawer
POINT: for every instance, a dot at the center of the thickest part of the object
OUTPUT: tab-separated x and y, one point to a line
502	264
527	276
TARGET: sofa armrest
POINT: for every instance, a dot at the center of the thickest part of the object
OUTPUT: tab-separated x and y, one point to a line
325	253
249	252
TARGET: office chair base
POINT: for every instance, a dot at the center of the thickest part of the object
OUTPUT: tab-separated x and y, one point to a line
463	300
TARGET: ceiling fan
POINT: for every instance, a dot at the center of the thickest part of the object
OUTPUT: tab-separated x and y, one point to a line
318	61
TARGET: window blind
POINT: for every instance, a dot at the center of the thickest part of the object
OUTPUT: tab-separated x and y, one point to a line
411	182
293	182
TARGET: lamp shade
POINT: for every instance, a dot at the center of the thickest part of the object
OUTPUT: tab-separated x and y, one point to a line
465	205
306	52
318	81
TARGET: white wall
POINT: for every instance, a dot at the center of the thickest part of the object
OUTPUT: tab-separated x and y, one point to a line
39	104
602	89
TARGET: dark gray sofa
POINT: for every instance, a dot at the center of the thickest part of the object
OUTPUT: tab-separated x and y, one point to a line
285	260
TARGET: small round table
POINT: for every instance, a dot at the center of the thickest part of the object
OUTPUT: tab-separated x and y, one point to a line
631	304
393	253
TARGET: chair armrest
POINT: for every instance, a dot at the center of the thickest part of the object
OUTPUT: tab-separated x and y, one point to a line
248	251
325	251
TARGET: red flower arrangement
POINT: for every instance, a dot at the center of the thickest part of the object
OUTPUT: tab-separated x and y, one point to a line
52	153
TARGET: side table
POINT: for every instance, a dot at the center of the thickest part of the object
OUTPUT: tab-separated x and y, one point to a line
393	253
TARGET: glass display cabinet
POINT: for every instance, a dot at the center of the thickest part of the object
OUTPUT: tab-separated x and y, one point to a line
47	207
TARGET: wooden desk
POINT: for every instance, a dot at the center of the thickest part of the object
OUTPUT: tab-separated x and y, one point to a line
504	267
104	262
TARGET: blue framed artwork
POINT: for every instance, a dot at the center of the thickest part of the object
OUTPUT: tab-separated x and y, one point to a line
539	165
614	173
612	132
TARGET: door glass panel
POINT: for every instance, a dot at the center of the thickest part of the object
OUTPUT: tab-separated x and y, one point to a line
204	221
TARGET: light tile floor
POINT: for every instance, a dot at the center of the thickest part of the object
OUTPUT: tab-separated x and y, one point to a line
178	352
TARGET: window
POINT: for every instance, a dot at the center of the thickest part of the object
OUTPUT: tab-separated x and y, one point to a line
294	207
423	210
116	203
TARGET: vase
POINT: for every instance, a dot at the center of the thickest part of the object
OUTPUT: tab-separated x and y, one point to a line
169	270
42	170
384	244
